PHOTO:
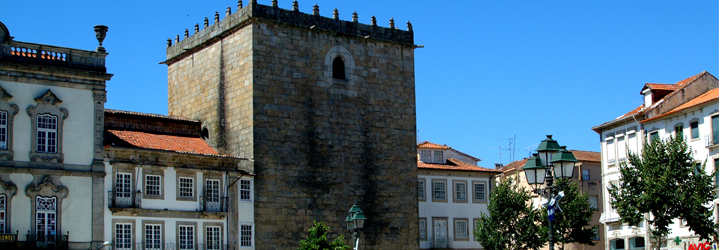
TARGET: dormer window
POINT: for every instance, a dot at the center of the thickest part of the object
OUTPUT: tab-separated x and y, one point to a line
338	68
432	156
439	156
425	155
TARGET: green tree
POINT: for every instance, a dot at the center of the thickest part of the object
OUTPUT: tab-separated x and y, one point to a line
511	223
572	225
317	239
666	183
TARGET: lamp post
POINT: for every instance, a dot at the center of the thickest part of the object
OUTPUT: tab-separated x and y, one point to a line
551	161
355	222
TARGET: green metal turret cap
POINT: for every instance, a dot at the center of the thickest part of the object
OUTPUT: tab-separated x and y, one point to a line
359	216
354	209
548	145
533	163
563	155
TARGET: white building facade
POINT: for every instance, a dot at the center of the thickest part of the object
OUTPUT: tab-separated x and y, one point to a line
452	193
687	109
50	151
167	189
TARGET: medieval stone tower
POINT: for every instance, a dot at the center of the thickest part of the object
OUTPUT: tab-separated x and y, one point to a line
324	107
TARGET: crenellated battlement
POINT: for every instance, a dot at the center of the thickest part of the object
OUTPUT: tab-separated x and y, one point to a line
254	12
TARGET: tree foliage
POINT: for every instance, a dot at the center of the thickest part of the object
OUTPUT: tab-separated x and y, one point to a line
572	225
511	223
317	239
667	183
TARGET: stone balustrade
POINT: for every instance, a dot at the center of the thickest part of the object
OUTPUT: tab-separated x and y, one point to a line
41	54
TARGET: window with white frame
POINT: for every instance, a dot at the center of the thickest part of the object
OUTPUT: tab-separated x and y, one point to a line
593	200
246	235
715	134
479	192
439	190
694	130
654	136
153	237
186	236
679	131
585	174
245	190
212	238
460	191
212	190
621	148
461	229
152	185
423	229
46	216
46	134
3	130
3	214
421	189
123	183
187	187
123	236
610	151
425	155
439	158
632	142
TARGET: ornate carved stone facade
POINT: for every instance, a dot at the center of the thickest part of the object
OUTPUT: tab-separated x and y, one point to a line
57	166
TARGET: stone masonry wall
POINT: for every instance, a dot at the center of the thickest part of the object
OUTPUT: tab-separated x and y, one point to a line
322	144
213	85
264	91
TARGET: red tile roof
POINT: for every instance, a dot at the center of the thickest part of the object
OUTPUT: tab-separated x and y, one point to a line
456	165
660	86
514	165
588	156
430	145
709	96
175	143
632	112
132	113
580	155
427	144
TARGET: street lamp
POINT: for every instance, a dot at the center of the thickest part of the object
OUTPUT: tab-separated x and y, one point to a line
355	222
550	158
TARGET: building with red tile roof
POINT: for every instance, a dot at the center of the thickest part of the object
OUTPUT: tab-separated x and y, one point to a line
160	171
687	109
452	190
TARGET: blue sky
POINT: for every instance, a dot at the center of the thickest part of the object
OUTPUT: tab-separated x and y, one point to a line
489	71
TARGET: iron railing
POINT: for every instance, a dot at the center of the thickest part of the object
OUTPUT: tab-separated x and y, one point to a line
711	140
213	204
440	243
124	199
47	241
167	246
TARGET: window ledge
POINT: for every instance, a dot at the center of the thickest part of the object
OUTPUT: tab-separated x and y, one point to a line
46	157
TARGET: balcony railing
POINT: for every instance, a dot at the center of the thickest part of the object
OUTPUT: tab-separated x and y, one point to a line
440	243
167	246
213	204
48	241
711	140
124	199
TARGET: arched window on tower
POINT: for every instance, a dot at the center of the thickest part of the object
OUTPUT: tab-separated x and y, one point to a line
338	68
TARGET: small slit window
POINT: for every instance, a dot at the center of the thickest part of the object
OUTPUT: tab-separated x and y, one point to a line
338	66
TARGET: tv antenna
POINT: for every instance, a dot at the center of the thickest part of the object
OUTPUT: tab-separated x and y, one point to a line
510	148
